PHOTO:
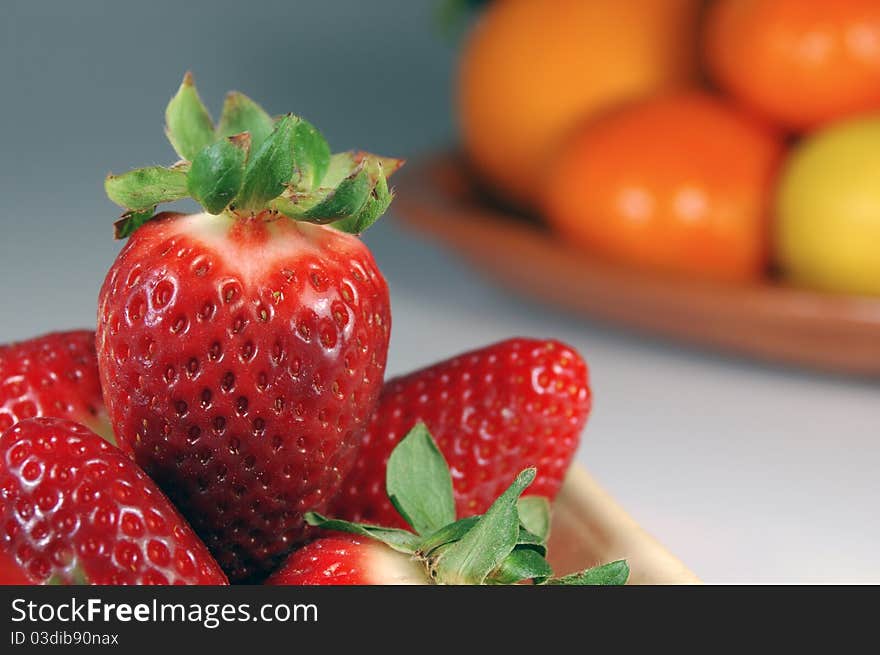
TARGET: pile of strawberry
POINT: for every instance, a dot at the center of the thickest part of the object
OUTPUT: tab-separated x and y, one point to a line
239	361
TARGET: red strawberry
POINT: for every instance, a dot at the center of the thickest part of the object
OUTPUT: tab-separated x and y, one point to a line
493	411
75	509
349	560
507	544
241	351
54	375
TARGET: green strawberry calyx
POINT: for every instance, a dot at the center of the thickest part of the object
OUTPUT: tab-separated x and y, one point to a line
251	164
73	575
506	545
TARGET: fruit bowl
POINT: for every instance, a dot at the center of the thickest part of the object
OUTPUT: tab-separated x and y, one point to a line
590	528
768	321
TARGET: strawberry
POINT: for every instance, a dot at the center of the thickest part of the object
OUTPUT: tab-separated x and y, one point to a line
494	411
349	560
75	509
242	349
505	545
54	375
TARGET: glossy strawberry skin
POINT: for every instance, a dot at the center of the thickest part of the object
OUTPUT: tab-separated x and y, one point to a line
72	504
55	375
493	412
240	362
343	559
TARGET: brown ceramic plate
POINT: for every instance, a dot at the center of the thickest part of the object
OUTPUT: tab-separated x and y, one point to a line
770	321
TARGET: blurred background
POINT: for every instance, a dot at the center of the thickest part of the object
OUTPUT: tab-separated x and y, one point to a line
749	472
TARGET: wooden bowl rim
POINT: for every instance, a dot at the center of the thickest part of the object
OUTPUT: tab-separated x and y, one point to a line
437	196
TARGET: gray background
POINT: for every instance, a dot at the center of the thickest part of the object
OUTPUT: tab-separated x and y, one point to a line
748	473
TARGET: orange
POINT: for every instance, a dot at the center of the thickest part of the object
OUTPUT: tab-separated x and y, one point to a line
681	183
532	69
801	63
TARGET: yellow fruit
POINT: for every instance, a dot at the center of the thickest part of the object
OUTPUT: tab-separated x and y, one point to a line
534	69
828	209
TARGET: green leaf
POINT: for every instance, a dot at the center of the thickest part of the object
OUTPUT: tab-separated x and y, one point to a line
379	169
130	221
146	187
400	540
534	515
353	195
268	170
311	156
455	531
341	166
241	114
217	172
615	573
528	540
419	484
377	203
187	122
345	164
345	200
77	577
522	564
485	546
327	205
375	164
447	534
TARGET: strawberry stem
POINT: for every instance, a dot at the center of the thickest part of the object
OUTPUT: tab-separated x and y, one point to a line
250	164
506	545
